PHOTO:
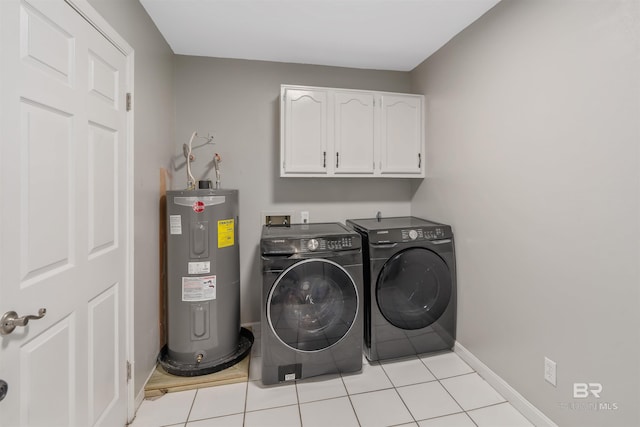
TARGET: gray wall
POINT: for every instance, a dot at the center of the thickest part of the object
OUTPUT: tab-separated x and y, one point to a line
533	156
154	127
238	102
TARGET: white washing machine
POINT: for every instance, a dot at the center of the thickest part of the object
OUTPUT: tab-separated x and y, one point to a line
311	301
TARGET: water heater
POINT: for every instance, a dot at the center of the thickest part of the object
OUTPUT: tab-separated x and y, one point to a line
203	283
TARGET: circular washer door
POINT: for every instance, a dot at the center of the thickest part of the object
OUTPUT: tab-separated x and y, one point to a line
312	305
413	288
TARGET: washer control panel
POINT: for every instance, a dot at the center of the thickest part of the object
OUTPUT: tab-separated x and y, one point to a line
433	233
321	244
310	244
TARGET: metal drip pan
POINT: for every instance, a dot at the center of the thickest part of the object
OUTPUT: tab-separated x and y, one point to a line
194	369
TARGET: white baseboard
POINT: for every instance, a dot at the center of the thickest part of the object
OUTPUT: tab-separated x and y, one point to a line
532	413
140	395
140	398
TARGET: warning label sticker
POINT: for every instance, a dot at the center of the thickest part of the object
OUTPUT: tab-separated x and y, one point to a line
226	232
199	288
200	267
175	224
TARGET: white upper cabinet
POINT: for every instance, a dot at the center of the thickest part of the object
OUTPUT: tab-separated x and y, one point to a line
350	133
353	132
304	128
401	134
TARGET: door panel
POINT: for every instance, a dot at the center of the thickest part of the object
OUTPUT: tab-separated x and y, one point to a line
103	80
45	202
103	189
103	357
62	218
45	45
48	360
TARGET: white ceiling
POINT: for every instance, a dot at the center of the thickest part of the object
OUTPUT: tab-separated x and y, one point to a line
374	34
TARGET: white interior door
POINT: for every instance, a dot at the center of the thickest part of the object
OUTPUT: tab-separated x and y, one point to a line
63	218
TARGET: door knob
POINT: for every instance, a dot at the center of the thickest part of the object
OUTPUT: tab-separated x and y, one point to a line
10	320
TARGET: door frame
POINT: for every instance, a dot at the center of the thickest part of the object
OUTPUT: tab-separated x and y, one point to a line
84	9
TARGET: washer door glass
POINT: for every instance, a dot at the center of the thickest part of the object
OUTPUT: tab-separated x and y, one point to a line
413	288
312	305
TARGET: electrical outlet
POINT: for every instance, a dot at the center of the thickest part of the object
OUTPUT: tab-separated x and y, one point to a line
550	371
304	217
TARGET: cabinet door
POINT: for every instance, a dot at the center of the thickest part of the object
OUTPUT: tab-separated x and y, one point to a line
401	135
304	139
353	132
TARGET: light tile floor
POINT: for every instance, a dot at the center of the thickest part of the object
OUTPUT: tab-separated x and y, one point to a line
437	390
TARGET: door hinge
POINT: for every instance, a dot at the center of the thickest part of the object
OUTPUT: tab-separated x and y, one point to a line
128	102
128	371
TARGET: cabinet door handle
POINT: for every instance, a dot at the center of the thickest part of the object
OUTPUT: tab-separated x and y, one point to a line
419	160
337	159
324	159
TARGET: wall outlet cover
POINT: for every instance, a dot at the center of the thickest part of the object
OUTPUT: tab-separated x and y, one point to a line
550	371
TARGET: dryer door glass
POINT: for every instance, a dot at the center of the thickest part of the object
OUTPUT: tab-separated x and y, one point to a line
312	305
413	288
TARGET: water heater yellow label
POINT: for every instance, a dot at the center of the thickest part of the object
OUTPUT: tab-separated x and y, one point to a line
226	232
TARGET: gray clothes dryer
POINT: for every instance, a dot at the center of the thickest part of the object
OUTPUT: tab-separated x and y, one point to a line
311	301
410	286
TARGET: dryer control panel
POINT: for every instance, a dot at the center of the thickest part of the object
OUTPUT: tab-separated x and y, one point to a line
436	233
403	235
